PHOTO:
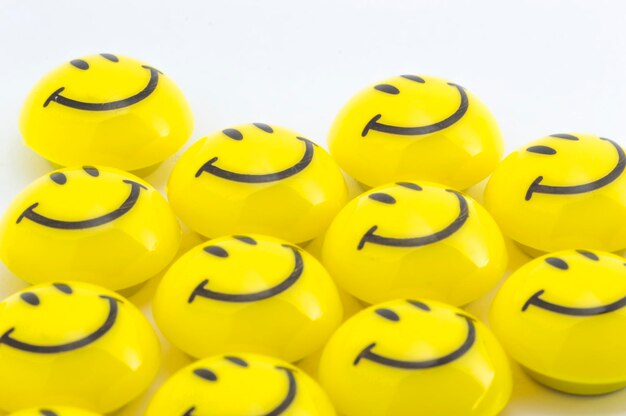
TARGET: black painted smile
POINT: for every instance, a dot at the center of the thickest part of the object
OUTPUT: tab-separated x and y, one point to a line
111	105
536	300
369	354
127	205
306	159
373	124
537	187
284	404
293	277
6	339
454	226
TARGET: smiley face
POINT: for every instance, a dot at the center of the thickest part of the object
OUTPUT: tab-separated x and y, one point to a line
408	357
558	316
54	411
257	178
416	239
106	109
240	384
251	293
50	354
93	224
416	127
562	191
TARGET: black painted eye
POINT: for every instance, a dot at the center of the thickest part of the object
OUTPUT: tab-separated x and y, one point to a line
205	374
30	298
237	361
233	134
542	150
266	128
382	197
216	251
564	136
80	64
46	412
245	239
110	57
389	89
410	185
558	263
92	171
414	78
588	254
58	178
63	288
419	304
388	314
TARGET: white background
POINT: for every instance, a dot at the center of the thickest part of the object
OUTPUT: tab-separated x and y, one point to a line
541	66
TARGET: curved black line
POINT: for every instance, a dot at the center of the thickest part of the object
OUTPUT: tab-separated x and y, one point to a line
127	205
70	346
373	124
291	393
306	159
253	297
615	173
292	390
111	105
566	310
368	354
370	237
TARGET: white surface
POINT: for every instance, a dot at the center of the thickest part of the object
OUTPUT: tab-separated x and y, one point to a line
541	66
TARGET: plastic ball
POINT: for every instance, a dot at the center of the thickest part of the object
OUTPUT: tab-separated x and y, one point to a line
562	317
257	178
413	127
107	110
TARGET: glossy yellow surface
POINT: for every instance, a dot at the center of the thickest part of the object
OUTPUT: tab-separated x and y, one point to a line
112	110
416	128
237	384
247	293
73	344
92	224
54	411
562	191
562	317
260	179
408	357
414	240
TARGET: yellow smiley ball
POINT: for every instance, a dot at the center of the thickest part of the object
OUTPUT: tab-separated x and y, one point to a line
257	178
415	357
106	109
417	128
54	411
92	224
563	318
73	344
238	384
247	293
417	240
562	191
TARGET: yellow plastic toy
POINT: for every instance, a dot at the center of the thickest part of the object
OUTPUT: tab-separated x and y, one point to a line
562	191
413	127
414	240
55	411
92	224
240	384
107	110
415	357
247	293
73	344
257	178
563	318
